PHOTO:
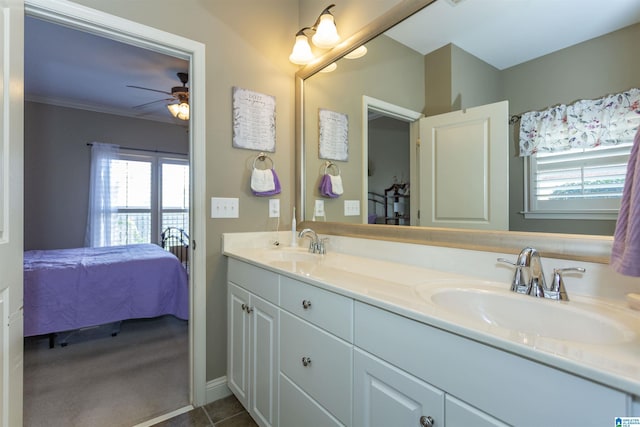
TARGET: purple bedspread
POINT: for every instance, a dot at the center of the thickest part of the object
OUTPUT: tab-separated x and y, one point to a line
66	289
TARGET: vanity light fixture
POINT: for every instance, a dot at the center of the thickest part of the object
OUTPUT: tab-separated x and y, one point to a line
325	37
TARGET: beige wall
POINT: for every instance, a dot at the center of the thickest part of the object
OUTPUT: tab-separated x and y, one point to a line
247	45
57	161
398	81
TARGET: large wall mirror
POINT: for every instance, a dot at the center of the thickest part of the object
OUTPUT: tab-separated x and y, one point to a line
427	64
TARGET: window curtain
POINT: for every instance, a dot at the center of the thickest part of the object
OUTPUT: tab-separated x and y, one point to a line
100	202
584	124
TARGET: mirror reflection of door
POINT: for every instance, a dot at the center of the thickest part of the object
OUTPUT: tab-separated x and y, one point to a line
464	173
388	168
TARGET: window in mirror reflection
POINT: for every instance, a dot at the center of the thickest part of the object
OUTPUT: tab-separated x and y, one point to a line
577	156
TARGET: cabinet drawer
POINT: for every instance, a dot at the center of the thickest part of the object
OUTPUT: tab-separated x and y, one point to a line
298	409
328	377
461	414
254	279
483	376
325	309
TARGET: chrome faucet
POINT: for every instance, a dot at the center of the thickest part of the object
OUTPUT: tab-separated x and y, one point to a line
316	245
529	277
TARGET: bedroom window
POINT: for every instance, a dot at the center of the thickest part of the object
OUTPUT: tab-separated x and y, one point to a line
150	193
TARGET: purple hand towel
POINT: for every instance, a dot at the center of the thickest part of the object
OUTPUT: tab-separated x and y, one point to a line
326	188
276	189
625	253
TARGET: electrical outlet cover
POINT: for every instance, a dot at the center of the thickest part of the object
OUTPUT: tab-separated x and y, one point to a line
319	208
274	208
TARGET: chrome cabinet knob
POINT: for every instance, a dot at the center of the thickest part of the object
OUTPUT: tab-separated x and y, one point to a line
306	304
427	421
306	361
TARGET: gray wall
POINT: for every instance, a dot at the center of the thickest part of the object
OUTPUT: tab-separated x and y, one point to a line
57	160
608	64
593	69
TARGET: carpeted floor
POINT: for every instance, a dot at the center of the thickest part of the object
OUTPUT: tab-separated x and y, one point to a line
99	380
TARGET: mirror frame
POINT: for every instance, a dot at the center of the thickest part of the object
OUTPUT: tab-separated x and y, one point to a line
552	245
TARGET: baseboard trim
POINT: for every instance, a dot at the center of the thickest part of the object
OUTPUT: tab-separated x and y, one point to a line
217	389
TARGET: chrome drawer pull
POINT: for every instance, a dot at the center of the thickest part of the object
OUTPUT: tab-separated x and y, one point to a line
306	304
306	361
426	421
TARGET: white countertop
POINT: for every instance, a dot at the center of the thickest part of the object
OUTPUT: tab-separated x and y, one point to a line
407	290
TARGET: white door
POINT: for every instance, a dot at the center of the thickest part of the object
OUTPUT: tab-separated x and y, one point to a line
11	231
238	343
387	396
264	361
464	168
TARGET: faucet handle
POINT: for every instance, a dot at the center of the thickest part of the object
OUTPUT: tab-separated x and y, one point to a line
557	284
520	282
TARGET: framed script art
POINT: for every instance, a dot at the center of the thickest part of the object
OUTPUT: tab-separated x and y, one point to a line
334	135
254	120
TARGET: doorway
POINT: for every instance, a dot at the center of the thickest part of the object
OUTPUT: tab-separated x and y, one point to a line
108	26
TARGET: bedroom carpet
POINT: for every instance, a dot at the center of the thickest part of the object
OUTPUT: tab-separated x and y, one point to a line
99	380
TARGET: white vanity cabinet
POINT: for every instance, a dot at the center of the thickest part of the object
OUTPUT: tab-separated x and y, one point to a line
387	396
483	383
316	356
252	341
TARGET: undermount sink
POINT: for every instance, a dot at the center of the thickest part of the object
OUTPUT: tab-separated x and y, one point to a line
523	314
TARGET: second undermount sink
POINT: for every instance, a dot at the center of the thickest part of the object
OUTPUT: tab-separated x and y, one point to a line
522	314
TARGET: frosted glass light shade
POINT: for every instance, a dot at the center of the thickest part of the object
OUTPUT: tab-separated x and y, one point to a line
301	53
358	53
329	68
180	111
326	35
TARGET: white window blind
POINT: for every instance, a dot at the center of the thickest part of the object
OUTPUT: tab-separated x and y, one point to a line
578	183
150	194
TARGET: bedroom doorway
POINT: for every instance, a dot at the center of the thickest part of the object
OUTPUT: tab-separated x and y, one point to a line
115	28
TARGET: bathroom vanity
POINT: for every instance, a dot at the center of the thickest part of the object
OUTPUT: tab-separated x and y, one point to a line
350	340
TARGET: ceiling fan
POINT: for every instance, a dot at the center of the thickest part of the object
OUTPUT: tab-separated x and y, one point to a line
179	94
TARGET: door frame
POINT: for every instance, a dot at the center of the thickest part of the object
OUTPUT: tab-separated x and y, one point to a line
397	112
105	25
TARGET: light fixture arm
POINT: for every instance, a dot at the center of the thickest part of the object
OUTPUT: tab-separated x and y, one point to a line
326	11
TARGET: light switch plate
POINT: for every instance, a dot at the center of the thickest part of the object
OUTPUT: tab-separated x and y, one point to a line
274	208
225	207
351	207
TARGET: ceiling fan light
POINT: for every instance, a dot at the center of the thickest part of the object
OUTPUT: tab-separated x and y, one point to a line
326	35
180	111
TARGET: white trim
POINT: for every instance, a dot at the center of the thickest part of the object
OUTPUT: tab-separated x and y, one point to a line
104	25
217	389
164	417
596	215
385	109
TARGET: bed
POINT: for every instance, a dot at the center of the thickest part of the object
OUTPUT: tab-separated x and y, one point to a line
70	289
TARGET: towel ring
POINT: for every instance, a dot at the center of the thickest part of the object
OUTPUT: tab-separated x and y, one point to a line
328	165
263	158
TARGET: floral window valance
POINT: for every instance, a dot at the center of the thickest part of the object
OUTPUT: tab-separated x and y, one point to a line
583	124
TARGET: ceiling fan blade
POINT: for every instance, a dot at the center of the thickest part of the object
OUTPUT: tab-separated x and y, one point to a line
153	90
136	107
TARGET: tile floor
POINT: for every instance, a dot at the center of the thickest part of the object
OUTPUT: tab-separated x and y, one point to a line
227	412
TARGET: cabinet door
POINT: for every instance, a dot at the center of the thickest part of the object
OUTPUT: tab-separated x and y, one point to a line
386	396
264	356
238	343
460	414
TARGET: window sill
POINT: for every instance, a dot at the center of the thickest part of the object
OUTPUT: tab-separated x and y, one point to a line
598	215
